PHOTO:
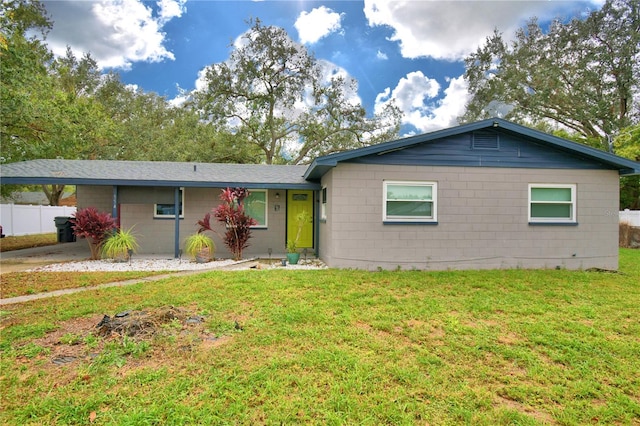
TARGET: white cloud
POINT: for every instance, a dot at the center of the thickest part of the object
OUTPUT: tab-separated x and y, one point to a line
449	108
201	81
416	95
170	9
412	91
314	25
452	29
382	56
116	33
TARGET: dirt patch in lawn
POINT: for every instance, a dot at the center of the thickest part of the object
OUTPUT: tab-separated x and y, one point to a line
150	334
538	415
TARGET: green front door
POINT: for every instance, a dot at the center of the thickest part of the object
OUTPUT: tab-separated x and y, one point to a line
298	202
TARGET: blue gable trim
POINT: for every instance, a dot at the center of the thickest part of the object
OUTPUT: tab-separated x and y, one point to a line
512	151
519	147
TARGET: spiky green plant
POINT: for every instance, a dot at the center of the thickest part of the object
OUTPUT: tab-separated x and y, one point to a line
120	244
199	244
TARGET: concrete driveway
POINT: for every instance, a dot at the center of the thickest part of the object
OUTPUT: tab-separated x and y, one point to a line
20	260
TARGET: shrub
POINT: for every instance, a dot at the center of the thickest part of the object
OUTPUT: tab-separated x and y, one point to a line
232	215
93	225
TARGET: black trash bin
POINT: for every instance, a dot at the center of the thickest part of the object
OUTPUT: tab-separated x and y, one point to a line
65	231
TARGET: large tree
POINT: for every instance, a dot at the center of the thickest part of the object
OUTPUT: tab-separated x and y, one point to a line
25	83
627	144
46	105
581	74
276	96
66	107
147	127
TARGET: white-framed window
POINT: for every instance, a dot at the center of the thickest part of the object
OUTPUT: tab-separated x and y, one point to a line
406	201
552	203
169	210
255	205
323	203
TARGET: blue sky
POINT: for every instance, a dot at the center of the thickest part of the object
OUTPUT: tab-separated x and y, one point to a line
410	51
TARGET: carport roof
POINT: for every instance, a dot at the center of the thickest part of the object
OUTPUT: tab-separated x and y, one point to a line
155	173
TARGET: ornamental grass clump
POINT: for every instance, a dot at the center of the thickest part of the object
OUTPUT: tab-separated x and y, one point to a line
200	247
93	225
120	245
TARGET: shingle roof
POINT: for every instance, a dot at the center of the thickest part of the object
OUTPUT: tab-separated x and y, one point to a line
154	173
187	174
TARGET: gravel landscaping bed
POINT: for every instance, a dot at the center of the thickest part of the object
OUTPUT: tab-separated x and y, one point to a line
171	265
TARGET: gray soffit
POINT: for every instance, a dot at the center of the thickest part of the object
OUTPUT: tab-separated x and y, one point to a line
625	167
154	173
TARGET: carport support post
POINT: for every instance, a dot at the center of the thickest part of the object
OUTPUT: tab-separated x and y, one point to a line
114	205
176	201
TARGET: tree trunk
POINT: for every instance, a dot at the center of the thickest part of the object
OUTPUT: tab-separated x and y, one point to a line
95	248
53	193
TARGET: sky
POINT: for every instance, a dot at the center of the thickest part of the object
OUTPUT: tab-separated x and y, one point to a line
409	51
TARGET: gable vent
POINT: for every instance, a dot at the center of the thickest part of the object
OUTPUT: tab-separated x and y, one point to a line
485	140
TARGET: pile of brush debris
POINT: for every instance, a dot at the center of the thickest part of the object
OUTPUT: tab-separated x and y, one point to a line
145	324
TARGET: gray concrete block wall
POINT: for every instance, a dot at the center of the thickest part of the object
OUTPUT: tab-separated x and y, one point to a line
99	197
156	235
325	249
482	220
273	237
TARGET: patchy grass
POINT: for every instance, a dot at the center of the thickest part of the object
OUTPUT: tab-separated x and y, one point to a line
23	283
337	347
27	241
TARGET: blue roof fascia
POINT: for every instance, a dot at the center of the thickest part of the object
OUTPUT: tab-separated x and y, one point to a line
186	184
624	165
321	165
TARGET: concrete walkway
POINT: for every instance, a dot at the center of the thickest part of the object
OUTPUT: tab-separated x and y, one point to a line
19	260
77	251
30	297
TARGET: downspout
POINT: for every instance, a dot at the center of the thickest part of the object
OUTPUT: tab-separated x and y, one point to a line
176	206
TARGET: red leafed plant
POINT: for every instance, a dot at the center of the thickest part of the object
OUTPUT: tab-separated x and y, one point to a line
232	215
94	226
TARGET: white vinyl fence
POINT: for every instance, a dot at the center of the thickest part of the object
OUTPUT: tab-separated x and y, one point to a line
632	217
19	219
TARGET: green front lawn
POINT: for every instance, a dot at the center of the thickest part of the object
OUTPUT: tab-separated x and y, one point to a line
11	243
24	283
335	347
